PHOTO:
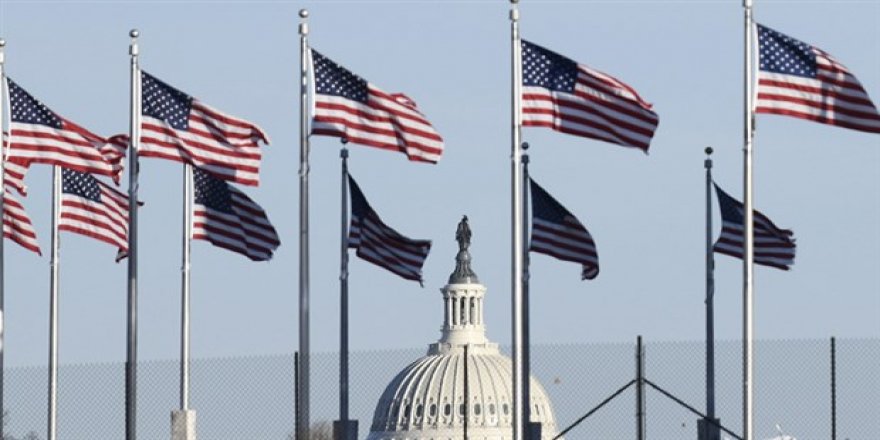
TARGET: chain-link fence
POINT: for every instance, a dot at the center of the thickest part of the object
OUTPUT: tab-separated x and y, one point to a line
253	398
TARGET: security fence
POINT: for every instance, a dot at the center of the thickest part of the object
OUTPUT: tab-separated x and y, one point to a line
252	398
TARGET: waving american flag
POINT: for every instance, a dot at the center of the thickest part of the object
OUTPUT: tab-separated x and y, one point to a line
572	98
178	127
377	243
227	218
92	208
774	247
799	80
39	135
558	233
349	107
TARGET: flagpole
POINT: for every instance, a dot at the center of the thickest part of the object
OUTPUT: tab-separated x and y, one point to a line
53	305
748	231
344	429
183	421
3	152
517	227
134	146
302	424
532	431
709	425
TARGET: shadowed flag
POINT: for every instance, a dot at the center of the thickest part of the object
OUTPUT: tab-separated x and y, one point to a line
558	233
572	98
349	107
227	218
799	80
178	127
39	135
94	209
381	245
774	247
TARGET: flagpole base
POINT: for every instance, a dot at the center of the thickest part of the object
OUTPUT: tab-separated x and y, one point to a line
707	430
345	430
183	424
533	431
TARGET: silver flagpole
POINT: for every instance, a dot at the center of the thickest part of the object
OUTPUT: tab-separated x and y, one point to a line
748	231
3	152
134	131
53	305
302	425
709	425
183	421
519	412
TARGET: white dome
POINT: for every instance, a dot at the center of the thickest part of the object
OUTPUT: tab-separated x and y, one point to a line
426	401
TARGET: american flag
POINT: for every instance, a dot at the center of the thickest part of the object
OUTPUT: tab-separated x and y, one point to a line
94	209
227	218
799	80
773	246
575	99
381	245
349	107
39	135
558	233
178	127
16	168
17	225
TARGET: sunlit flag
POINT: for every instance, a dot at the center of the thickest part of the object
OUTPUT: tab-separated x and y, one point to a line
39	135
799	80
575	99
178	127
349	107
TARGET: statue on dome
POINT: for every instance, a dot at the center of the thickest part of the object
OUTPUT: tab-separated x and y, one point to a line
463	234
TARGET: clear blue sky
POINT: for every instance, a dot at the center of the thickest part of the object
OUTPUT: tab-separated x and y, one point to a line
646	213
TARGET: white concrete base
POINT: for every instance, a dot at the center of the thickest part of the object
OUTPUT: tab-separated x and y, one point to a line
183	425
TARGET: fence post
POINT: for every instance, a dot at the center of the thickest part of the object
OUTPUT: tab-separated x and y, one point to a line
640	389
833	389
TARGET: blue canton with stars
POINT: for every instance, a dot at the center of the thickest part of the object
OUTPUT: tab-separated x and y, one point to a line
780	53
544	68
545	207
333	79
26	109
164	102
731	209
212	192
80	184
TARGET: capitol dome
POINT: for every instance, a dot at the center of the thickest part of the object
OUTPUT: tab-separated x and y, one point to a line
463	373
